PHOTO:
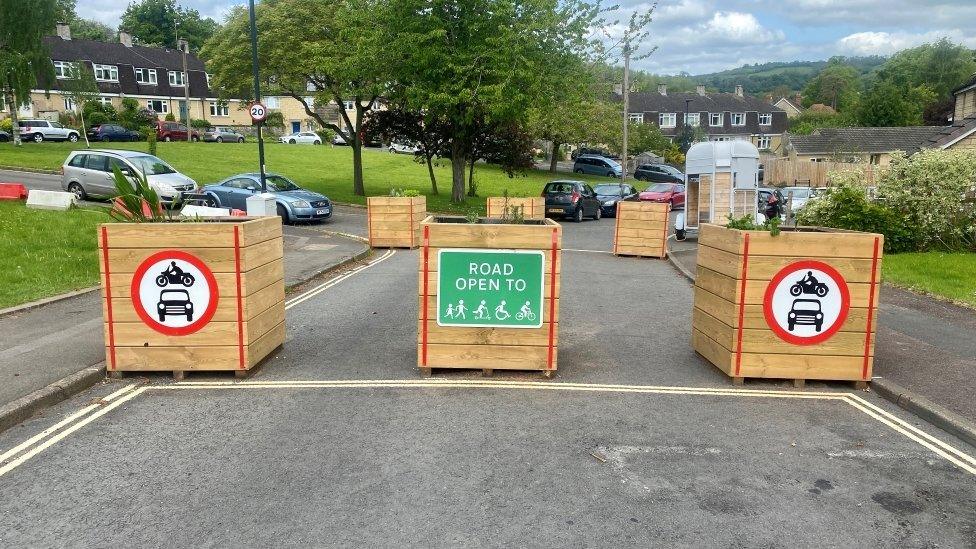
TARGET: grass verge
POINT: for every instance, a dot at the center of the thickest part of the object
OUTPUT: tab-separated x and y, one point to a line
320	168
45	253
948	275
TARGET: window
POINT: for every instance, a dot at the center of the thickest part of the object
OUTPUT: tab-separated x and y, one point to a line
177	78
349	105
105	101
715	119
69	104
763	142
722	138
765	118
219	108
158	105
146	76
106	73
97	162
62	69
78	161
271	102
692	119
738	119
667	119
207	74
636	117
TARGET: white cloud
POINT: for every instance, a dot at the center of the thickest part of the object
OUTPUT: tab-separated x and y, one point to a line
886	43
739	27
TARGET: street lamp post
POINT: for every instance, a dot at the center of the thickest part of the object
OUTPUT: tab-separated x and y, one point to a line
626	94
257	92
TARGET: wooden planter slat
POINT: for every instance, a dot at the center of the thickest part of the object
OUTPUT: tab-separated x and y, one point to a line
247	324
394	221
532	207
641	229
729	326
488	348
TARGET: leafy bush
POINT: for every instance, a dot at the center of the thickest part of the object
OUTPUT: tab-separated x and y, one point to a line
748	223
199	124
6	125
96	118
274	120
151	139
326	134
170	117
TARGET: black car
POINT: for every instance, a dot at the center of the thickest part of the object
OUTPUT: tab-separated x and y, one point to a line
4	136
112	132
659	173
610	193
573	199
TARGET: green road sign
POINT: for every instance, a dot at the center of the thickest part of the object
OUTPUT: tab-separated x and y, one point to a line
490	288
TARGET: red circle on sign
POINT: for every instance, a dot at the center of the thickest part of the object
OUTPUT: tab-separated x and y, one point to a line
258	118
845	298
201	321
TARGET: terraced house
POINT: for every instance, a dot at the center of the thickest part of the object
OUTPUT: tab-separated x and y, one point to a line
719	116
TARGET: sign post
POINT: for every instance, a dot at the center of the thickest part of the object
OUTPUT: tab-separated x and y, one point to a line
490	288
257	95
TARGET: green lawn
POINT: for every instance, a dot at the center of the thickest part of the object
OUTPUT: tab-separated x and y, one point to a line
324	169
950	276
45	253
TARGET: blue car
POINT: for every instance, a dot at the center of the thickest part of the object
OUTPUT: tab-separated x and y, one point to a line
294	202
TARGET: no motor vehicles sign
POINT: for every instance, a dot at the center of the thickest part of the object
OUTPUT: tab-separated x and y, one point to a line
490	288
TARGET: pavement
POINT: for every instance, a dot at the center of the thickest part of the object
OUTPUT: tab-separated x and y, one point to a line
337	440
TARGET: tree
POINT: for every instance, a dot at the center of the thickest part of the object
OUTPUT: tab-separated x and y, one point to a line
338	59
835	85
81	88
808	122
887	104
159	22
941	67
428	132
24	60
91	30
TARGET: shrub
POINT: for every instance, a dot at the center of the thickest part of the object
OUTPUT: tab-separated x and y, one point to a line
326	134
170	117
199	124
96	118
151	139
6	125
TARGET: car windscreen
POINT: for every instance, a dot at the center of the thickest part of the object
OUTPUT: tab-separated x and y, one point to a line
608	190
800	193
660	188
559	188
672	170
280	183
150	165
174	295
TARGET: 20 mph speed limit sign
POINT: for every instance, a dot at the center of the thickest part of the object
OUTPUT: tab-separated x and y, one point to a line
258	112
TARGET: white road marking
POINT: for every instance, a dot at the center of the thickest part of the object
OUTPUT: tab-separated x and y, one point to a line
326	285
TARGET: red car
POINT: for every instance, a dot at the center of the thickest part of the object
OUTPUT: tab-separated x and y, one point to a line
173	131
674	193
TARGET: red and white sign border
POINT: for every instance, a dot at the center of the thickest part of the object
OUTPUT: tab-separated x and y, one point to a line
196	325
808	264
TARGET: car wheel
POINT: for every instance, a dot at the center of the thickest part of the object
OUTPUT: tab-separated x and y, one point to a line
791	326
38	137
819	327
189	317
316	142
73	138
211	201
283	214
291	141
220	140
598	214
578	215
105	138
611	174
167	138
577	171
240	139
77	190
162	317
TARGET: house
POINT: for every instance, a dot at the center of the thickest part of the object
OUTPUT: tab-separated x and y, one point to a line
792	108
720	116
965	100
868	145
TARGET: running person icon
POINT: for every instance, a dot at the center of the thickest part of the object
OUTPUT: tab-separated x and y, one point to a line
500	312
525	313
481	313
449	313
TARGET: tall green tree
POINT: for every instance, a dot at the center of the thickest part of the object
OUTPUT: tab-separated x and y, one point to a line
940	66
339	58
888	104
835	85
24	61
160	22
82	89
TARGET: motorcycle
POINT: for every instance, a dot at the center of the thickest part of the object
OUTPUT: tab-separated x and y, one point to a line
167	277
809	287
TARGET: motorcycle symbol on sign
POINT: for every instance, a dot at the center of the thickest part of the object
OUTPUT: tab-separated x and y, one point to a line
175	275
809	285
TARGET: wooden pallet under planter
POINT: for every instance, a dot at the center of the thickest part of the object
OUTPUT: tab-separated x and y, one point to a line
490	348
730	322
532	207
394	221
641	229
245	257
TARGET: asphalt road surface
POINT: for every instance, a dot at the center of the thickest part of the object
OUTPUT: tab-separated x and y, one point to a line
338	441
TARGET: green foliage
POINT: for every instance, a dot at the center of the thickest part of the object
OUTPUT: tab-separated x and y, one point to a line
24	60
137	202
888	104
156	22
170	117
6	125
835	85
90	29
748	223
199	123
151	141
325	134
807	122
404	192
81	89
275	119
130	104
940	67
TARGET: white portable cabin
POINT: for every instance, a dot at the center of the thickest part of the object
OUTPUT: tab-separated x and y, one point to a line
722	178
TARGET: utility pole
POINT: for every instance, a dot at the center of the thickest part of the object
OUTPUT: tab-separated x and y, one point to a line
184	47
686	138
257	92
626	91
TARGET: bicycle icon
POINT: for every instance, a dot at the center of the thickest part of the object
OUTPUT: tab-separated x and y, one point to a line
525	313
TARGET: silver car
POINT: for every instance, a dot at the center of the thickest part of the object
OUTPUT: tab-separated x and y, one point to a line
301	138
222	135
39	130
89	173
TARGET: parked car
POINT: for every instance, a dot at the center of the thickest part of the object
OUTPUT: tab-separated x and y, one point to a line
609	194
597	165
4	136
404	148
89	173
763	197
589	151
40	130
294	202
304	138
219	134
672	193
174	131
112	132
798	196
659	173
573	199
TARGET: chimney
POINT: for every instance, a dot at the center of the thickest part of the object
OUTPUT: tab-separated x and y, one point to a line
618	89
700	88
798	99
738	90
662	89
125	38
64	31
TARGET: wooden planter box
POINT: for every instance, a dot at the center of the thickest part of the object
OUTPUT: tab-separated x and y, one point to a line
532	207
238	322
744	301
641	229
394	221
530	347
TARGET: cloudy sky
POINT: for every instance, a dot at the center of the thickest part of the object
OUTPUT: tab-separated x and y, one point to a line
699	36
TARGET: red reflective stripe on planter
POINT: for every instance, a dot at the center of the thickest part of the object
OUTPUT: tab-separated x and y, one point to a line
240	306
667	219
742	304
423	339
108	300
552	296
867	334
369	223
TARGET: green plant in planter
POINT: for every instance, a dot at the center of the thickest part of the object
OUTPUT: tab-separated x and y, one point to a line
395	192
138	202
748	223
514	214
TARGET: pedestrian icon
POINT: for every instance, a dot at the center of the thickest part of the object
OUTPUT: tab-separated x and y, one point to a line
460	310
